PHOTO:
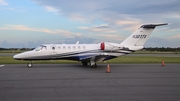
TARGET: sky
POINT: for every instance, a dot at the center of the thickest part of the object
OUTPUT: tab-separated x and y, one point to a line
29	23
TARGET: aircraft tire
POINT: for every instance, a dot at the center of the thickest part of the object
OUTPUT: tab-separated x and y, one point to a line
94	66
29	65
84	63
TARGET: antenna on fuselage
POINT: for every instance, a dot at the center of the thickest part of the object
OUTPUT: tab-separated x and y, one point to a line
77	42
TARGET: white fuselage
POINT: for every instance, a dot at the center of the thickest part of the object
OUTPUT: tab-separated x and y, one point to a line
77	52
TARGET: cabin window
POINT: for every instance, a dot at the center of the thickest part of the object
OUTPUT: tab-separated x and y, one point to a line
64	48
69	48
79	48
74	48
53	48
40	48
84	47
44	48
59	47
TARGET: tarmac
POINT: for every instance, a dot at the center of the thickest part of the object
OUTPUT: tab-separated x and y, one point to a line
73	82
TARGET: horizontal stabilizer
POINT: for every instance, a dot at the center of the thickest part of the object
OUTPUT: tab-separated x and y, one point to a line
152	25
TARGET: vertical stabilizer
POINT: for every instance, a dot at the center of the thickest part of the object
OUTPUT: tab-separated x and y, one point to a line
139	37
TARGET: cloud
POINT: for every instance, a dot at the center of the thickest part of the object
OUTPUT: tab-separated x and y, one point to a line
2	2
94	8
44	30
100	28
118	16
81	39
175	36
138	7
127	15
173	30
160	42
110	37
79	17
51	9
127	23
30	44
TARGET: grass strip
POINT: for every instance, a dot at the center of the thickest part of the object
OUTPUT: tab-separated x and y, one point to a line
119	60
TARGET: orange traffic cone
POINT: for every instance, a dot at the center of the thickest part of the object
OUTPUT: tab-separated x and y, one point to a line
163	63
108	70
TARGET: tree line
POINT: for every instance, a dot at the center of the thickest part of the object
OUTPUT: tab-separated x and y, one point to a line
162	49
11	49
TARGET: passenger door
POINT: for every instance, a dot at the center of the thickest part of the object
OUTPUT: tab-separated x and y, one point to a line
53	52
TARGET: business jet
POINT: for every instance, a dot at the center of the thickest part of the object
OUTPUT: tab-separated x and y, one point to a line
90	53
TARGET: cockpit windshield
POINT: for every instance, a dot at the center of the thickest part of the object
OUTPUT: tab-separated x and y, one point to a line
39	48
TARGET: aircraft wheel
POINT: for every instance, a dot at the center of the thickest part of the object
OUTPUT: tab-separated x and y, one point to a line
94	66
84	63
29	65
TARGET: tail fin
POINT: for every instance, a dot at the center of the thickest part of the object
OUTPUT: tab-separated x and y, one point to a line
139	37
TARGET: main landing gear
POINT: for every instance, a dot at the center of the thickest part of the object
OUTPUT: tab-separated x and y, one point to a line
84	63
93	65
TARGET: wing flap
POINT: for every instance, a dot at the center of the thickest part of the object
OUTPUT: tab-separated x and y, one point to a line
97	58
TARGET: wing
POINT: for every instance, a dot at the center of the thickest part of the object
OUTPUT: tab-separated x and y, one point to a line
96	58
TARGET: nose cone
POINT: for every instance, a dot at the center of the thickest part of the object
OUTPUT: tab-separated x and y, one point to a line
21	56
24	56
18	57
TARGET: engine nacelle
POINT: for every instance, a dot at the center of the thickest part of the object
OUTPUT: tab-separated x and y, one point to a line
110	46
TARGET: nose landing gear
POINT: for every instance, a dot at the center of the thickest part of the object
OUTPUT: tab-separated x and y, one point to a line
30	64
